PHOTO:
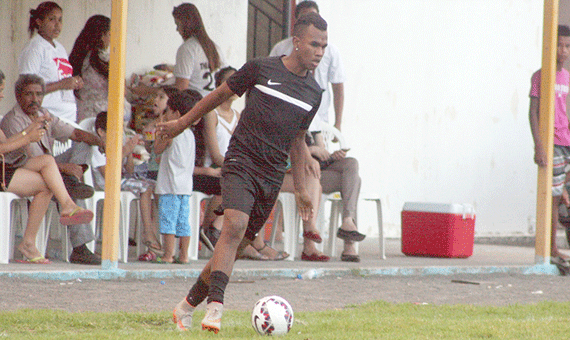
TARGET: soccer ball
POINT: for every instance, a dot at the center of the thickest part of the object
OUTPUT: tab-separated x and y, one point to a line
272	315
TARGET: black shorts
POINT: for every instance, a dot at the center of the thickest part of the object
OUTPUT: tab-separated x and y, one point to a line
207	184
251	194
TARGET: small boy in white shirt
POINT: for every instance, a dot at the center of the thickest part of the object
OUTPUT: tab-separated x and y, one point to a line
174	182
130	181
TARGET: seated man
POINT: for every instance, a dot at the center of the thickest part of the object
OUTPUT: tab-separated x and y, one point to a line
18	119
340	173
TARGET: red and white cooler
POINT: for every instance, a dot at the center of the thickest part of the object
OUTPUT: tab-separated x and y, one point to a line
438	230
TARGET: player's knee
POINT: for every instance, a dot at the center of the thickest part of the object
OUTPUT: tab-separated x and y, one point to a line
235	225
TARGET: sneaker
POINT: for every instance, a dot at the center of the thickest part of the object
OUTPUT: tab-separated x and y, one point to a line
213	235
182	315
77	189
84	256
213	319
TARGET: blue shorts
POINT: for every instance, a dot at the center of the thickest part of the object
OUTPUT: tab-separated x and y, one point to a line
174	214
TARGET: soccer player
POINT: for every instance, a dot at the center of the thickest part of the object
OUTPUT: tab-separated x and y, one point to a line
282	100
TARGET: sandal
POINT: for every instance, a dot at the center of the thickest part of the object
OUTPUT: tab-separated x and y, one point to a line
77	216
249	255
35	260
147	257
351	235
159	260
315	257
312	236
281	255
154	248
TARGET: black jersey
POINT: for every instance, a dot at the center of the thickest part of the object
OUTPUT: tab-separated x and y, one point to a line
278	105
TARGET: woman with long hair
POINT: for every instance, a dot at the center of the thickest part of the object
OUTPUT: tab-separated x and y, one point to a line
198	57
90	60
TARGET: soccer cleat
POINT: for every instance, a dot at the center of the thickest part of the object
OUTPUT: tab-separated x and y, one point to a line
182	315
213	319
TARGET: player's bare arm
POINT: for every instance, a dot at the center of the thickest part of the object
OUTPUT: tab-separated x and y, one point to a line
298	153
173	128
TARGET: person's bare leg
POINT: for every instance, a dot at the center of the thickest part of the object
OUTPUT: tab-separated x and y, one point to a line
183	252
209	217
349	248
27	183
45	165
37	210
554	252
168	241
235	224
149	227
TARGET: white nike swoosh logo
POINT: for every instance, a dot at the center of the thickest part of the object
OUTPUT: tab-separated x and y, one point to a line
269	82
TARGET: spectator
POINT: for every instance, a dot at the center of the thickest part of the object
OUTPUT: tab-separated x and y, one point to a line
174	184
89	59
29	95
561	156
198	57
47	58
138	185
340	173
149	170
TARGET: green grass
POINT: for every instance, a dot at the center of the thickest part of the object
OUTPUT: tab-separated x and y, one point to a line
378	320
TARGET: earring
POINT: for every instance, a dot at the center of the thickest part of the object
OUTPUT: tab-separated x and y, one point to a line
296	48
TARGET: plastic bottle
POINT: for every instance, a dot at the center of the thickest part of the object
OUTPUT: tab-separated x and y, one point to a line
308	275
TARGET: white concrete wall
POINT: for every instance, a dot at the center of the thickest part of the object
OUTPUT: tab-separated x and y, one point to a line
437	103
436	97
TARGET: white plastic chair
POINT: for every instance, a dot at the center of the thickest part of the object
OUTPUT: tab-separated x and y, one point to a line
12	207
195	209
127	198
291	224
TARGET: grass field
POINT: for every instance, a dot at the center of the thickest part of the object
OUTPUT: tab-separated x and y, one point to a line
378	320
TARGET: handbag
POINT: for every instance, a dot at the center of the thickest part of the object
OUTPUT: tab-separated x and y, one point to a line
3	184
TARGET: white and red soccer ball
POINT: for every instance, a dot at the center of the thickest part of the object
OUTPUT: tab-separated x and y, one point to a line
272	315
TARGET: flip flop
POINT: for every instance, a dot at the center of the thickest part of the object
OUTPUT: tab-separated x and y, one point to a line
177	261
35	260
160	261
77	216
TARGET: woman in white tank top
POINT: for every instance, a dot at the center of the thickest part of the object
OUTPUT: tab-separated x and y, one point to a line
220	125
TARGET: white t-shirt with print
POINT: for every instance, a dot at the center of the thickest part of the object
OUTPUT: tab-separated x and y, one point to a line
192	64
51	64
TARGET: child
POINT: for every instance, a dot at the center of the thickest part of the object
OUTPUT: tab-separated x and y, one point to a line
130	181
174	183
561	131
150	169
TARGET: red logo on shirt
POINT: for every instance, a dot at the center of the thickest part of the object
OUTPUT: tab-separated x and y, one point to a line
64	68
